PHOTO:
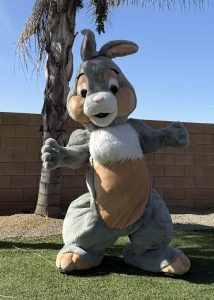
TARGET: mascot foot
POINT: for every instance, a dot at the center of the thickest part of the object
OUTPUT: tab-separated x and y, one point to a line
67	262
179	266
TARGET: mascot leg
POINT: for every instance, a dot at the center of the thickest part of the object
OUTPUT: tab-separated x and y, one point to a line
149	248
85	237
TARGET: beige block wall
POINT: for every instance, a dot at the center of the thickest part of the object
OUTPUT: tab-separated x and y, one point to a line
183	176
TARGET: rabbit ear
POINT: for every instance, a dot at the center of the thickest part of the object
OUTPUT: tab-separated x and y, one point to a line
88	49
118	48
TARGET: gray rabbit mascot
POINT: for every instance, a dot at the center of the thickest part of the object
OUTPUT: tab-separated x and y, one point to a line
121	200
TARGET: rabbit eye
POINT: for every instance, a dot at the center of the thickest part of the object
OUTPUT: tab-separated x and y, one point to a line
83	93
113	85
114	89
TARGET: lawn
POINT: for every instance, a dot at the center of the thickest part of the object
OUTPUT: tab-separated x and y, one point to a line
28	272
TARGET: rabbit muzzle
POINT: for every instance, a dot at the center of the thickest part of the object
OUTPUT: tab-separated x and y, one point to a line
101	108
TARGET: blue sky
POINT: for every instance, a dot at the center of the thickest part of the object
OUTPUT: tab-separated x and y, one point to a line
173	72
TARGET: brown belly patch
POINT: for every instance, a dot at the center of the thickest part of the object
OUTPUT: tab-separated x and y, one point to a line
122	191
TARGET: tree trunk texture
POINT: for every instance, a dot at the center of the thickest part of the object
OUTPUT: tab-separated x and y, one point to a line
59	68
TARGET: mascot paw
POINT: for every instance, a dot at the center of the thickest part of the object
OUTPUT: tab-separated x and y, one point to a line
179	266
177	135
67	262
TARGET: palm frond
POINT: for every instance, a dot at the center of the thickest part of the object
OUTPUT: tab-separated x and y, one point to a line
35	27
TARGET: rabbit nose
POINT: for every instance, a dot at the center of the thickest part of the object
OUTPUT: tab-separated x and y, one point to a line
98	98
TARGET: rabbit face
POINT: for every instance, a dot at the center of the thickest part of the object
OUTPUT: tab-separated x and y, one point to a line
101	93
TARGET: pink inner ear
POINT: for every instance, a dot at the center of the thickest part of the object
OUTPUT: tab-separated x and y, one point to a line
121	50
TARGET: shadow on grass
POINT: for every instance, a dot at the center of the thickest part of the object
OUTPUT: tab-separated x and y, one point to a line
201	272
30	245
198	246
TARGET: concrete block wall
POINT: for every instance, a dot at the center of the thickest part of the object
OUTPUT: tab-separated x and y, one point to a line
183	176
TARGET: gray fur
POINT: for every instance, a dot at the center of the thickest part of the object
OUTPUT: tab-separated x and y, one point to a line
75	155
111	49
88	49
84	231
152	140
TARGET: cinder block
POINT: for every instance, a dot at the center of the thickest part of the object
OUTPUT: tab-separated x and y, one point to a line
169	202
178	150
174	193
12	168
195	171
5	182
205	204
74	181
184	182
6	155
194	149
149	158
7	130
208	194
33	168
209	171
199	194
166	159
24	182
156	170
164	182
16	207
161	150
208	149
67	194
204	139
14	118
204	182
174	170
27	131
8	195
194	127
193	194
34	143
185	203
30	195
204	160
208	128
13	143
78	191
81	171
192	139
35	119
27	155
184	160
155	124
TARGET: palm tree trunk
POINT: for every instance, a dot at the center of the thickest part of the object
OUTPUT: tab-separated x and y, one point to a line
59	68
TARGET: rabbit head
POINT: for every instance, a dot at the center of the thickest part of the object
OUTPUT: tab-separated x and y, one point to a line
101	95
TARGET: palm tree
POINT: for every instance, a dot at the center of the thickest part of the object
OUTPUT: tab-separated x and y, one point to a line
52	23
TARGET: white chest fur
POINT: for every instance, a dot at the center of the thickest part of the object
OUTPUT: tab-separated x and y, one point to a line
116	143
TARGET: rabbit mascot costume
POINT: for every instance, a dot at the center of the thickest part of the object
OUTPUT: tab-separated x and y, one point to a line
121	200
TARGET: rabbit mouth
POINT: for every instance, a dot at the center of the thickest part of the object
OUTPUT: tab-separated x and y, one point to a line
101	115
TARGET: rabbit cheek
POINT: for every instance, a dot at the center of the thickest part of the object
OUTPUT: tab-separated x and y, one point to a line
75	109
126	101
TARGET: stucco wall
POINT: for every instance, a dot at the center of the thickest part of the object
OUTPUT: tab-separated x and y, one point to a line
184	176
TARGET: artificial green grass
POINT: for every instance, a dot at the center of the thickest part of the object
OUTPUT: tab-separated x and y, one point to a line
27	271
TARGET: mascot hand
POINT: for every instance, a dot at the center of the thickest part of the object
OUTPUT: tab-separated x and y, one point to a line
176	135
51	153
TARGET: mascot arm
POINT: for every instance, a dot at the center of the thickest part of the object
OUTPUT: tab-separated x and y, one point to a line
151	140
75	155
